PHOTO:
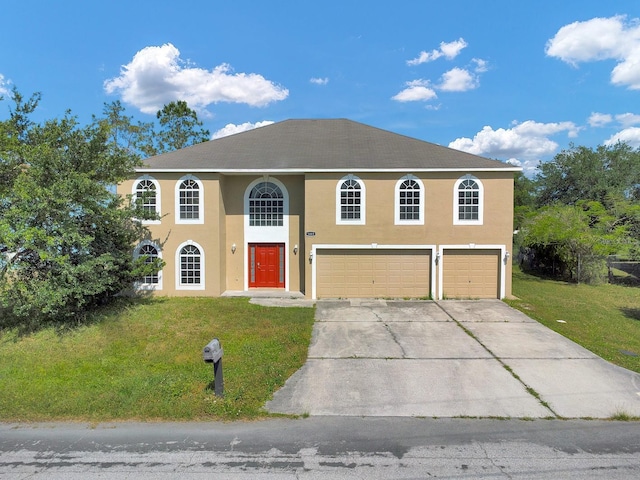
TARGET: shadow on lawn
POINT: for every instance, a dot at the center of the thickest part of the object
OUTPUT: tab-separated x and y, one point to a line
632	313
93	316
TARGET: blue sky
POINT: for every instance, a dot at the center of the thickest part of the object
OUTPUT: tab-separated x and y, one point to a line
516	81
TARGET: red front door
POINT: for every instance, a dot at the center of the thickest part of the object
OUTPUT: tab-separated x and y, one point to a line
266	265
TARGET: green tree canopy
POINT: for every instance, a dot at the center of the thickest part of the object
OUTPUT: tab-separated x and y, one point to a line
179	127
67	237
583	173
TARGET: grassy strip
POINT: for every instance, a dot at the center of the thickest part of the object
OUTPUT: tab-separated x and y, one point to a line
605	319
144	362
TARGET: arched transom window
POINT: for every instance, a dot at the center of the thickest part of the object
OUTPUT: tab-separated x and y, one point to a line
266	205
189	200
409	200
146	196
350	200
468	200
150	253
190	266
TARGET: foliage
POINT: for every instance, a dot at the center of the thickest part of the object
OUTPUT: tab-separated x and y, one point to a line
588	207
583	173
134	138
180	127
67	237
141	359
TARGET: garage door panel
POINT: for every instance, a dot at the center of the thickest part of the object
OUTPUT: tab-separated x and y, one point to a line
373	273
471	274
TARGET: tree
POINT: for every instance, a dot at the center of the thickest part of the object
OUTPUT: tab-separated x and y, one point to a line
572	240
524	199
179	127
67	236
582	173
135	138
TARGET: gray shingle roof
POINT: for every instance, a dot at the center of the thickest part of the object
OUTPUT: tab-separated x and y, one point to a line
318	145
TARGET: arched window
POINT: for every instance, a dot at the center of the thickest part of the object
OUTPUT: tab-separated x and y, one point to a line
266	205
190	266
409	201
468	201
350	201
189	200
150	252
146	192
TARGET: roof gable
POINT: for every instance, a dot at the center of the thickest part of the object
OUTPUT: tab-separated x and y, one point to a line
318	145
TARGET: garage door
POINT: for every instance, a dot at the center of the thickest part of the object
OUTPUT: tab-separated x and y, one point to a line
373	273
471	274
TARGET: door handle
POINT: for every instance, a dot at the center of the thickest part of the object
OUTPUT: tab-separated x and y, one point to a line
258	265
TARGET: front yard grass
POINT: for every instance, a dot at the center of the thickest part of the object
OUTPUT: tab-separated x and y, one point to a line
604	318
143	361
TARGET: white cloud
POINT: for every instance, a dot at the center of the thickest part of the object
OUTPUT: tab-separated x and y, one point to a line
458	80
628	119
525	141
602	39
4	85
156	76
417	90
481	65
449	50
629	135
231	129
599	119
319	81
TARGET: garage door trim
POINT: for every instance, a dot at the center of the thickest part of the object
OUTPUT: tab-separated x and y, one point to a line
504	256
371	246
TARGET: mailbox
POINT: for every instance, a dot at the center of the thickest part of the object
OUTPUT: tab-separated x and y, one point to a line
212	353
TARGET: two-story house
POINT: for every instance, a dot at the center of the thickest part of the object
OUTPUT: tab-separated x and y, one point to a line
329	208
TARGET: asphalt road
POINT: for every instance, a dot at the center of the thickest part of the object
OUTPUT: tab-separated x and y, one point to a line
325	448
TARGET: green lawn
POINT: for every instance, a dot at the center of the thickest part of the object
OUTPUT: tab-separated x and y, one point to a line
143	361
604	318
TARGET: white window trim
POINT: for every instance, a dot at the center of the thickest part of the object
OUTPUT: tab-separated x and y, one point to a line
313	256
200	219
456	217
136	254
134	192
363	202
398	220
471	246
267	234
179	285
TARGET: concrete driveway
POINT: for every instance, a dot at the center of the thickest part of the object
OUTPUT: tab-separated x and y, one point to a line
448	359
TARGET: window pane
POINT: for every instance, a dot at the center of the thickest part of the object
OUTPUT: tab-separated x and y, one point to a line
266	205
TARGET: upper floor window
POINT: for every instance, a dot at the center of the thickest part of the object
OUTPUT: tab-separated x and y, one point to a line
468	199
190	260
409	201
189	200
350	201
150	252
146	192
266	205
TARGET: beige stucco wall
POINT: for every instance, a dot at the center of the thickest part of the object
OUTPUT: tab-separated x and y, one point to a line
234	189
438	228
312	208
169	234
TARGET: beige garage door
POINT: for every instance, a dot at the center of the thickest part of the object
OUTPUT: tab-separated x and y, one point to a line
373	273
471	274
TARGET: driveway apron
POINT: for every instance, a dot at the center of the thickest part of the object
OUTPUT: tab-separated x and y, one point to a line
449	359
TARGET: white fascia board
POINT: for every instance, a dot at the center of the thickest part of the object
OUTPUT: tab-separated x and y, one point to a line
297	171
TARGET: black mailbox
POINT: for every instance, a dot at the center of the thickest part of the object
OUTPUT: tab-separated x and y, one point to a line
212	353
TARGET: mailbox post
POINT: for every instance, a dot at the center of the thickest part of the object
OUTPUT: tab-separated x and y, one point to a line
212	353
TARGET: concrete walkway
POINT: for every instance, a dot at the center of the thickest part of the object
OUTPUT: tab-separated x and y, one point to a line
449	359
